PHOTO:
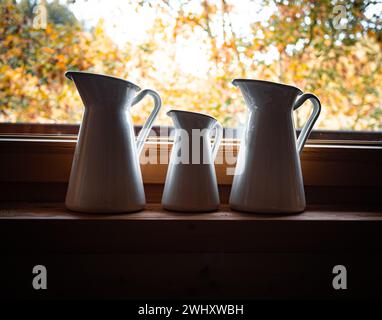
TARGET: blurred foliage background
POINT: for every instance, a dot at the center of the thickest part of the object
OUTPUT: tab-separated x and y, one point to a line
303	43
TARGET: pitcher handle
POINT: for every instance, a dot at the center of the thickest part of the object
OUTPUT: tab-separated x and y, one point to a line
305	131
142	136
218	138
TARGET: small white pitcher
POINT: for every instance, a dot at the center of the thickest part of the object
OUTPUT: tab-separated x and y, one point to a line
191	184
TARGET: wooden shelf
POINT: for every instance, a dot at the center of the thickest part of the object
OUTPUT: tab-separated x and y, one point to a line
160	254
49	227
57	211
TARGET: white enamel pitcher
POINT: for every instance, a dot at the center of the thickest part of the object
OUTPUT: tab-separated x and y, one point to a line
106	175
191	183
268	177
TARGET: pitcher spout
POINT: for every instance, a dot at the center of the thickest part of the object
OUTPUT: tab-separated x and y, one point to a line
188	120
71	74
98	90
260	93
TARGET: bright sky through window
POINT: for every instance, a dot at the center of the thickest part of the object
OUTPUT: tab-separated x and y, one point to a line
190	51
124	24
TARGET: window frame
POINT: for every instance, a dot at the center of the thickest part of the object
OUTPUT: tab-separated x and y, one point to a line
36	167
69	131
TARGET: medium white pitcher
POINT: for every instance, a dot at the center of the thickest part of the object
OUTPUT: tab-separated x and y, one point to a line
106	175
268	177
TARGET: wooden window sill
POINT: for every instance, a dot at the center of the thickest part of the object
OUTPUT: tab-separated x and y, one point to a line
155	254
50	227
30	211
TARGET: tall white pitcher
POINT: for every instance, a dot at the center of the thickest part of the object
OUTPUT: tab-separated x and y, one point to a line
268	177
106	176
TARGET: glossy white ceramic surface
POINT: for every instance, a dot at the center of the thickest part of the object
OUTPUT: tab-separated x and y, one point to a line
106	175
191	185
268	175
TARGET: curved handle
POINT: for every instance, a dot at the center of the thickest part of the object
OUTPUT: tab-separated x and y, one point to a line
305	131
142	136
218	138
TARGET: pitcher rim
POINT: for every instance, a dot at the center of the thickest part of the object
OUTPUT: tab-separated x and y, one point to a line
192	112
266	82
69	72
